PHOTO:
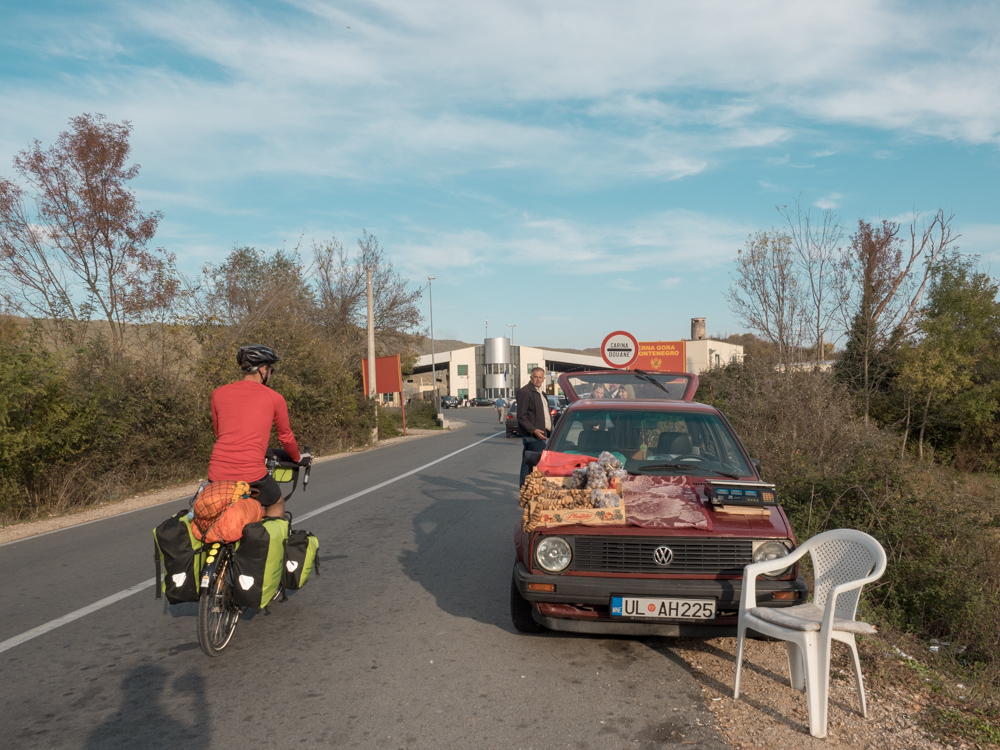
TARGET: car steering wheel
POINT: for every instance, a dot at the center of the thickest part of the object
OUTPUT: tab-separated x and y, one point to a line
689	457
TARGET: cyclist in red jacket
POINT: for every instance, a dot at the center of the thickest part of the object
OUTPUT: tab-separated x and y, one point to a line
242	415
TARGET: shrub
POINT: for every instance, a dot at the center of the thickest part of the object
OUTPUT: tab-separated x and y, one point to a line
938	526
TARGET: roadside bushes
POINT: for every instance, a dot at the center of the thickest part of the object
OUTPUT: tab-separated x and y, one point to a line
939	527
76	428
40	425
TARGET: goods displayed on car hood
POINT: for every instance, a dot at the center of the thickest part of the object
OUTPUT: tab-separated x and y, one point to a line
591	491
591	496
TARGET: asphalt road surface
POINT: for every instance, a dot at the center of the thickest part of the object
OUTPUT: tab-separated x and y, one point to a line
404	641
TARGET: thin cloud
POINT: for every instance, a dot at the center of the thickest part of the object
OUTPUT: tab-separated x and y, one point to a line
829	201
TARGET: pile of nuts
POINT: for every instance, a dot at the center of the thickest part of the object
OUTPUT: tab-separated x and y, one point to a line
551	496
588	489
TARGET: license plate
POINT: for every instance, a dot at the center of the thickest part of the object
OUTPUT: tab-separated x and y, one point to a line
663	609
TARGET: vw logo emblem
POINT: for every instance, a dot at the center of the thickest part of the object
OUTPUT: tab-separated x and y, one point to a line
663	556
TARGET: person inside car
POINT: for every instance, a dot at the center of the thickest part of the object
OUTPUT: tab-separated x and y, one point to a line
597	391
242	415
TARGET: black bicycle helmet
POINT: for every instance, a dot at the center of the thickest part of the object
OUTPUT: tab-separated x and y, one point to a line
252	357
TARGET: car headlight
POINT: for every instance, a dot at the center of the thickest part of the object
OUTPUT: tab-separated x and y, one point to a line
553	554
771	550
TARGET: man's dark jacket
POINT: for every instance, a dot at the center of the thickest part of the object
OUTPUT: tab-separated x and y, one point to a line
530	416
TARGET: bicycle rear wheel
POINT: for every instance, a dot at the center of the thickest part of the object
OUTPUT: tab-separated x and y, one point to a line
217	614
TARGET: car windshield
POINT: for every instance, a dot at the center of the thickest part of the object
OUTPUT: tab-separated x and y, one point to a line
654	442
628	384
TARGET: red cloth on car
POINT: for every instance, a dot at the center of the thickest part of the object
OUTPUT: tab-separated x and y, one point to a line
242	415
654	502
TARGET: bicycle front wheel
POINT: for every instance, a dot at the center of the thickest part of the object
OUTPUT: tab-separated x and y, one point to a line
217	614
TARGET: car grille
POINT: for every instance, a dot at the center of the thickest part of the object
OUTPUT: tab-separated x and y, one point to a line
615	554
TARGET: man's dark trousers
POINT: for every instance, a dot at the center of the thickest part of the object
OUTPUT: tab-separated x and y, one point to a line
531	443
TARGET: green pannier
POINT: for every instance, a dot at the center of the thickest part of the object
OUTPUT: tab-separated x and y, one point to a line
182	556
300	559
258	562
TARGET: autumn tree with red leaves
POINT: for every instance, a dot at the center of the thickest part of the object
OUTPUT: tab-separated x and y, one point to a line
73	242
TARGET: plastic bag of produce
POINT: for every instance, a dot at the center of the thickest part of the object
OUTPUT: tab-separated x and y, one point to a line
604	498
608	461
596	478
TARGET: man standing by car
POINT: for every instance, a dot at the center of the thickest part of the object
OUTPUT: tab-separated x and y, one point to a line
500	404
534	422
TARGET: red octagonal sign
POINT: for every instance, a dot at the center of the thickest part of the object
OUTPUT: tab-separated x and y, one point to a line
620	349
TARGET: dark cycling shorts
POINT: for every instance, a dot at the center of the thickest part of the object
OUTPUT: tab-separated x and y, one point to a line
268	491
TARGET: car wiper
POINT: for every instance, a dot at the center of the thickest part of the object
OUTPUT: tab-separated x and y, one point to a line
653	467
650	379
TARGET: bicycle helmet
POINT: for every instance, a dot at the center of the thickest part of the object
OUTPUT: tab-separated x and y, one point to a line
252	358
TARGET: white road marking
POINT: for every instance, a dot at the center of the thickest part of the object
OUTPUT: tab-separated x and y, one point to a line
17	640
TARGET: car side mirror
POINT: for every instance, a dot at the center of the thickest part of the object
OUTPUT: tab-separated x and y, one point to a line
532	457
757	467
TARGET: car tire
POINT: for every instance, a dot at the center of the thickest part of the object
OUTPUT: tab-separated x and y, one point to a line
520	611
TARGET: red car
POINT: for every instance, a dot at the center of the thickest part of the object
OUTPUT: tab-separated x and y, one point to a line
693	513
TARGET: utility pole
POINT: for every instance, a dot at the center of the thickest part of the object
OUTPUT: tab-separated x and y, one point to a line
515	371
430	298
372	390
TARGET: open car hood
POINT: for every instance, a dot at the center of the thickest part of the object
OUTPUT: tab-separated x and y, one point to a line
634	384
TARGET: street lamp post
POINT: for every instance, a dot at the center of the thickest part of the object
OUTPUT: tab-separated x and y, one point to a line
514	372
430	298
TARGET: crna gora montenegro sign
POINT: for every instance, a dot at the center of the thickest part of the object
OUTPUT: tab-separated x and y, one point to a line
619	349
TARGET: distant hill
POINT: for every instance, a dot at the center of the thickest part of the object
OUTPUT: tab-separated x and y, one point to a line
440	345
446	345
594	351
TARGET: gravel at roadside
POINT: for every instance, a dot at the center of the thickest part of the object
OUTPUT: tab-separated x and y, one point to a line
769	713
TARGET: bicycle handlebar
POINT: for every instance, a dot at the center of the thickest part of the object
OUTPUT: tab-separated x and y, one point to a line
274	463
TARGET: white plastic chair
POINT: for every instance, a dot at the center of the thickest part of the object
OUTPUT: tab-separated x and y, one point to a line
844	560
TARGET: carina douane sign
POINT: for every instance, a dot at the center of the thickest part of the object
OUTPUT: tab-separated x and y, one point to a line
619	349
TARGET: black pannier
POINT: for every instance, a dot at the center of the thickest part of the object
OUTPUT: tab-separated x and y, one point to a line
300	559
258	562
182	557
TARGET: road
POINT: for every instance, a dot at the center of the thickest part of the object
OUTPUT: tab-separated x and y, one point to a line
404	641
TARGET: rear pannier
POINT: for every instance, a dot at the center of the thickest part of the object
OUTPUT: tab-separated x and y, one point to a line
258	562
300	559
182	556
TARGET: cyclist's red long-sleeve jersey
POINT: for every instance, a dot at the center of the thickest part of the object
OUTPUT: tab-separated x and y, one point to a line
242	415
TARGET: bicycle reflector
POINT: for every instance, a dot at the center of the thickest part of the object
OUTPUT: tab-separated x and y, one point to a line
282	474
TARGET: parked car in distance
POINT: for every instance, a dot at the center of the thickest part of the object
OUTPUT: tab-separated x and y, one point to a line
555	408
483	401
449	402
511	420
668	559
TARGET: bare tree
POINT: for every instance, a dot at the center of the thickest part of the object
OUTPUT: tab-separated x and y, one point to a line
342	288
766	294
817	249
882	303
73	242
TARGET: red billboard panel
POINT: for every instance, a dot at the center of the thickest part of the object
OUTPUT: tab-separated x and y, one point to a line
388	374
664	356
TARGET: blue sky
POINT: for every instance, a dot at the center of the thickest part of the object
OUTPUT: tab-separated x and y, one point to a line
575	168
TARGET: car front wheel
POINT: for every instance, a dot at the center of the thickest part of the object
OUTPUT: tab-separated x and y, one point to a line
520	611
